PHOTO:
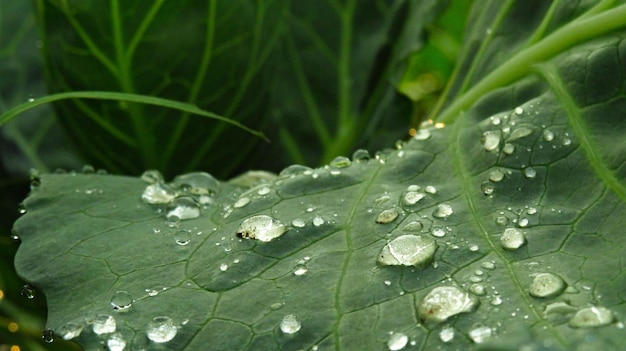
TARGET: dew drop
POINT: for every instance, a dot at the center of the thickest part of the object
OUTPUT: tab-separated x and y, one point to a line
548	135
446	334
196	183
361	155
158	193
518	110
293	170
520	132
477	289
522	222
412	197
546	285
103	324
318	221
300	269
223	267
70	331
496	176
414	226
28	291
530	172
430	189
443	211
261	227
422	134
502	220
590	317
276	306
116	342
491	140
182	237
340	162
439	232
531	210
21	209
397	341
183	208
566	142
512	239
408	250
488	265
121	301
161	329
387	216
241	202
444	302
290	324
152	176
487	188
508	148
495	120
496	301
48	335
264	191
480	334
298	223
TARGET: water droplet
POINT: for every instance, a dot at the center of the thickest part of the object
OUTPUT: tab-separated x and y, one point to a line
487	188
522	222
546	285
48	335
182	237
488	265
121	301
439	232
241	202
477	289
496	301
558	308
443	211
300	269
161	329
70	331
158	193
104	324
444	302
261	227
496	176
298	223
412	197
318	221
264	191
413	187
508	148
590	317
512	239
446	334
387	216
414	226
361	155
430	189
290	324
491	140
408	250
473	248
28	291
277	305
293	170
196	183
531	210
548	135
520	132
397	341
223	267
88	169
21	209
116	342
495	120
480	334
183	208
422	134
502	220
530	172
566	141
340	162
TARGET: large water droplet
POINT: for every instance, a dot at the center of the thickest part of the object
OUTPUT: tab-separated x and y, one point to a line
340	162
121	300
161	329
70	331
28	291
512	239
508	148
183	208
361	155
491	140
104	324
196	183
444	302
300	269
412	197
397	341
530	172
519	110
318	221
48	335
298	223
264	190
446	334
480	334
293	170
158	193
261	227
430	189
241	202
590	317
152	176
290	324
546	285
408	250
116	342
520	132
387	216
443	211
548	135
414	226
182	237
223	267
496	176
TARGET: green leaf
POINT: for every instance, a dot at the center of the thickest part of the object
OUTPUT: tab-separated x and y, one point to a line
527	177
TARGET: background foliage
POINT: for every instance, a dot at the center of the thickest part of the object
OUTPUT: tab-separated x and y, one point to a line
319	78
